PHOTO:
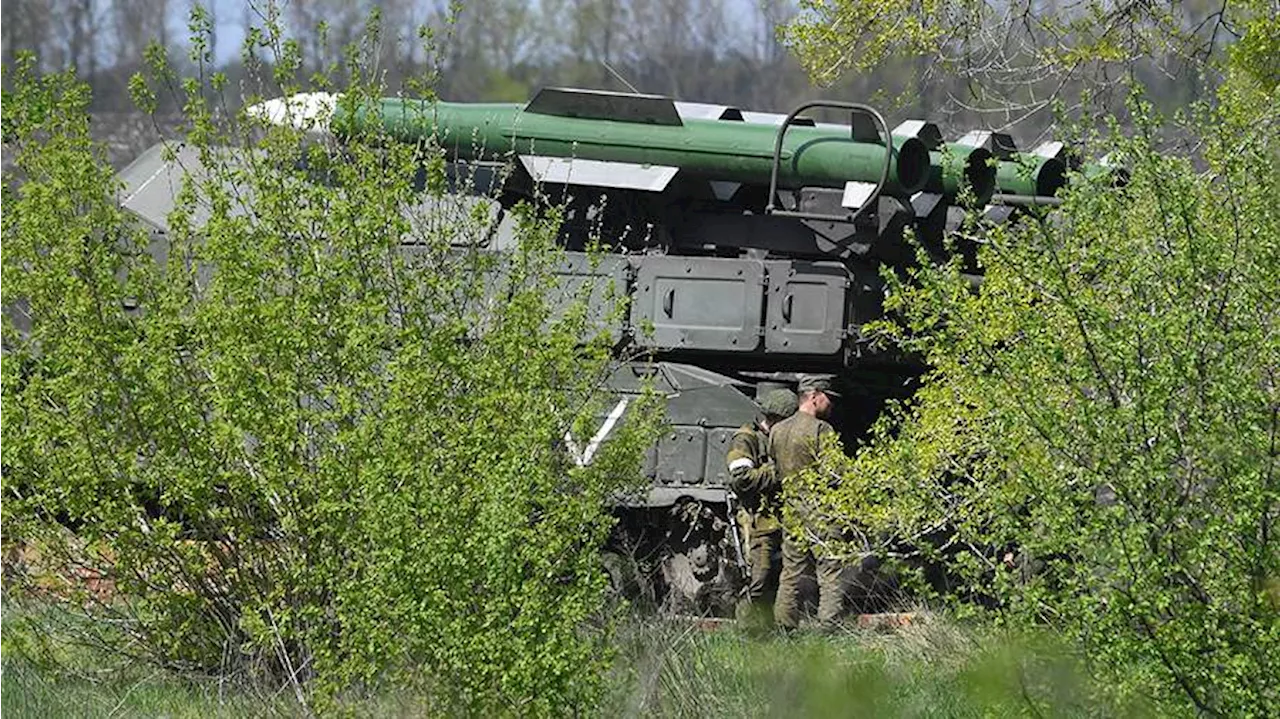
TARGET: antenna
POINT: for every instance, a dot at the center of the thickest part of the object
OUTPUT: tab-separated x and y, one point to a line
618	76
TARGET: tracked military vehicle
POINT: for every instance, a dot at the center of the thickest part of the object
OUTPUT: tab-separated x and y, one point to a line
748	243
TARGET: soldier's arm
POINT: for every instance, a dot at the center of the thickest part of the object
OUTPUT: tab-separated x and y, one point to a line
825	438
748	473
826	435
756	479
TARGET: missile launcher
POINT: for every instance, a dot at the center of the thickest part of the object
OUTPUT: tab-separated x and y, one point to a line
749	244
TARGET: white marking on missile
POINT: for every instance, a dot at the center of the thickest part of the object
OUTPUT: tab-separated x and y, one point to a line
908	128
1049	149
705	111
305	110
598	173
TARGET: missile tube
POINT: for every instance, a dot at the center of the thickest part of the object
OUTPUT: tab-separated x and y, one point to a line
715	149
958	165
1030	175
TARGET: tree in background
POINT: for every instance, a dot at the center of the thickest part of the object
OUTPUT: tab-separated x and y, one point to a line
987	66
279	446
1009	64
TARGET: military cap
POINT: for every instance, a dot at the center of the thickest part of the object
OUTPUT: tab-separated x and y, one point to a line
817	383
779	403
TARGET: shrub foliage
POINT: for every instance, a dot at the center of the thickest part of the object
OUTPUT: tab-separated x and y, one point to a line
273	440
1095	444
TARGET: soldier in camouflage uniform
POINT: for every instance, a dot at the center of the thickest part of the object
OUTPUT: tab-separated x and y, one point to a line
794	445
753	479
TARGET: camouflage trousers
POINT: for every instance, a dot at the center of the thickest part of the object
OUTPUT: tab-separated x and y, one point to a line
762	556
755	610
765	566
799	562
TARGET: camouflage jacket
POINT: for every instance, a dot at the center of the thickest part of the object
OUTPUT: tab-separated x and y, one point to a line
794	444
752	476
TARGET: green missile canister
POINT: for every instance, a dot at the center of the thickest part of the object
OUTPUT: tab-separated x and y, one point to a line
959	165
640	130
954	166
1030	175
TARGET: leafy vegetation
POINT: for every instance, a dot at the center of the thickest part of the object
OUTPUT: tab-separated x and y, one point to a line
1095	446
276	446
273	442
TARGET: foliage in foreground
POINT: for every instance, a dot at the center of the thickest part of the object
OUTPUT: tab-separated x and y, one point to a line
1095	447
277	444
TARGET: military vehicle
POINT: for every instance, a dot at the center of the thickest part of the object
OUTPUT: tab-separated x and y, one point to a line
750	243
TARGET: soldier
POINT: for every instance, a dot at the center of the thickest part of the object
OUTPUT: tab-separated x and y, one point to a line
794	445
753	479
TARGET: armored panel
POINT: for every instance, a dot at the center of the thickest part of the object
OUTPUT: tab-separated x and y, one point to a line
681	456
149	186
710	407
806	309
717	472
649	467
698	303
866	296
453	216
600	283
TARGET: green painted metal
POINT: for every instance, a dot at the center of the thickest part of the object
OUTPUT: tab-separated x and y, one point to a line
715	149
1030	175
960	164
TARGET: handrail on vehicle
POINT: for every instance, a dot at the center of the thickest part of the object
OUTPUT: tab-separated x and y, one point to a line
853	108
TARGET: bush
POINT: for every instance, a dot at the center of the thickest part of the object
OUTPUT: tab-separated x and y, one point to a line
282	445
1095	446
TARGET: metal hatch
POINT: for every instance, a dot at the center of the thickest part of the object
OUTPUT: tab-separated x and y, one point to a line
717	470
807	307
698	303
680	456
600	282
866	296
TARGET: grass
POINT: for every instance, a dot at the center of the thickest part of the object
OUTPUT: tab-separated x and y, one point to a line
930	670
31	690
42	677
664	668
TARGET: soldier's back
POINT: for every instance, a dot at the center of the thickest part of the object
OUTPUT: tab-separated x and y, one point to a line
794	442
